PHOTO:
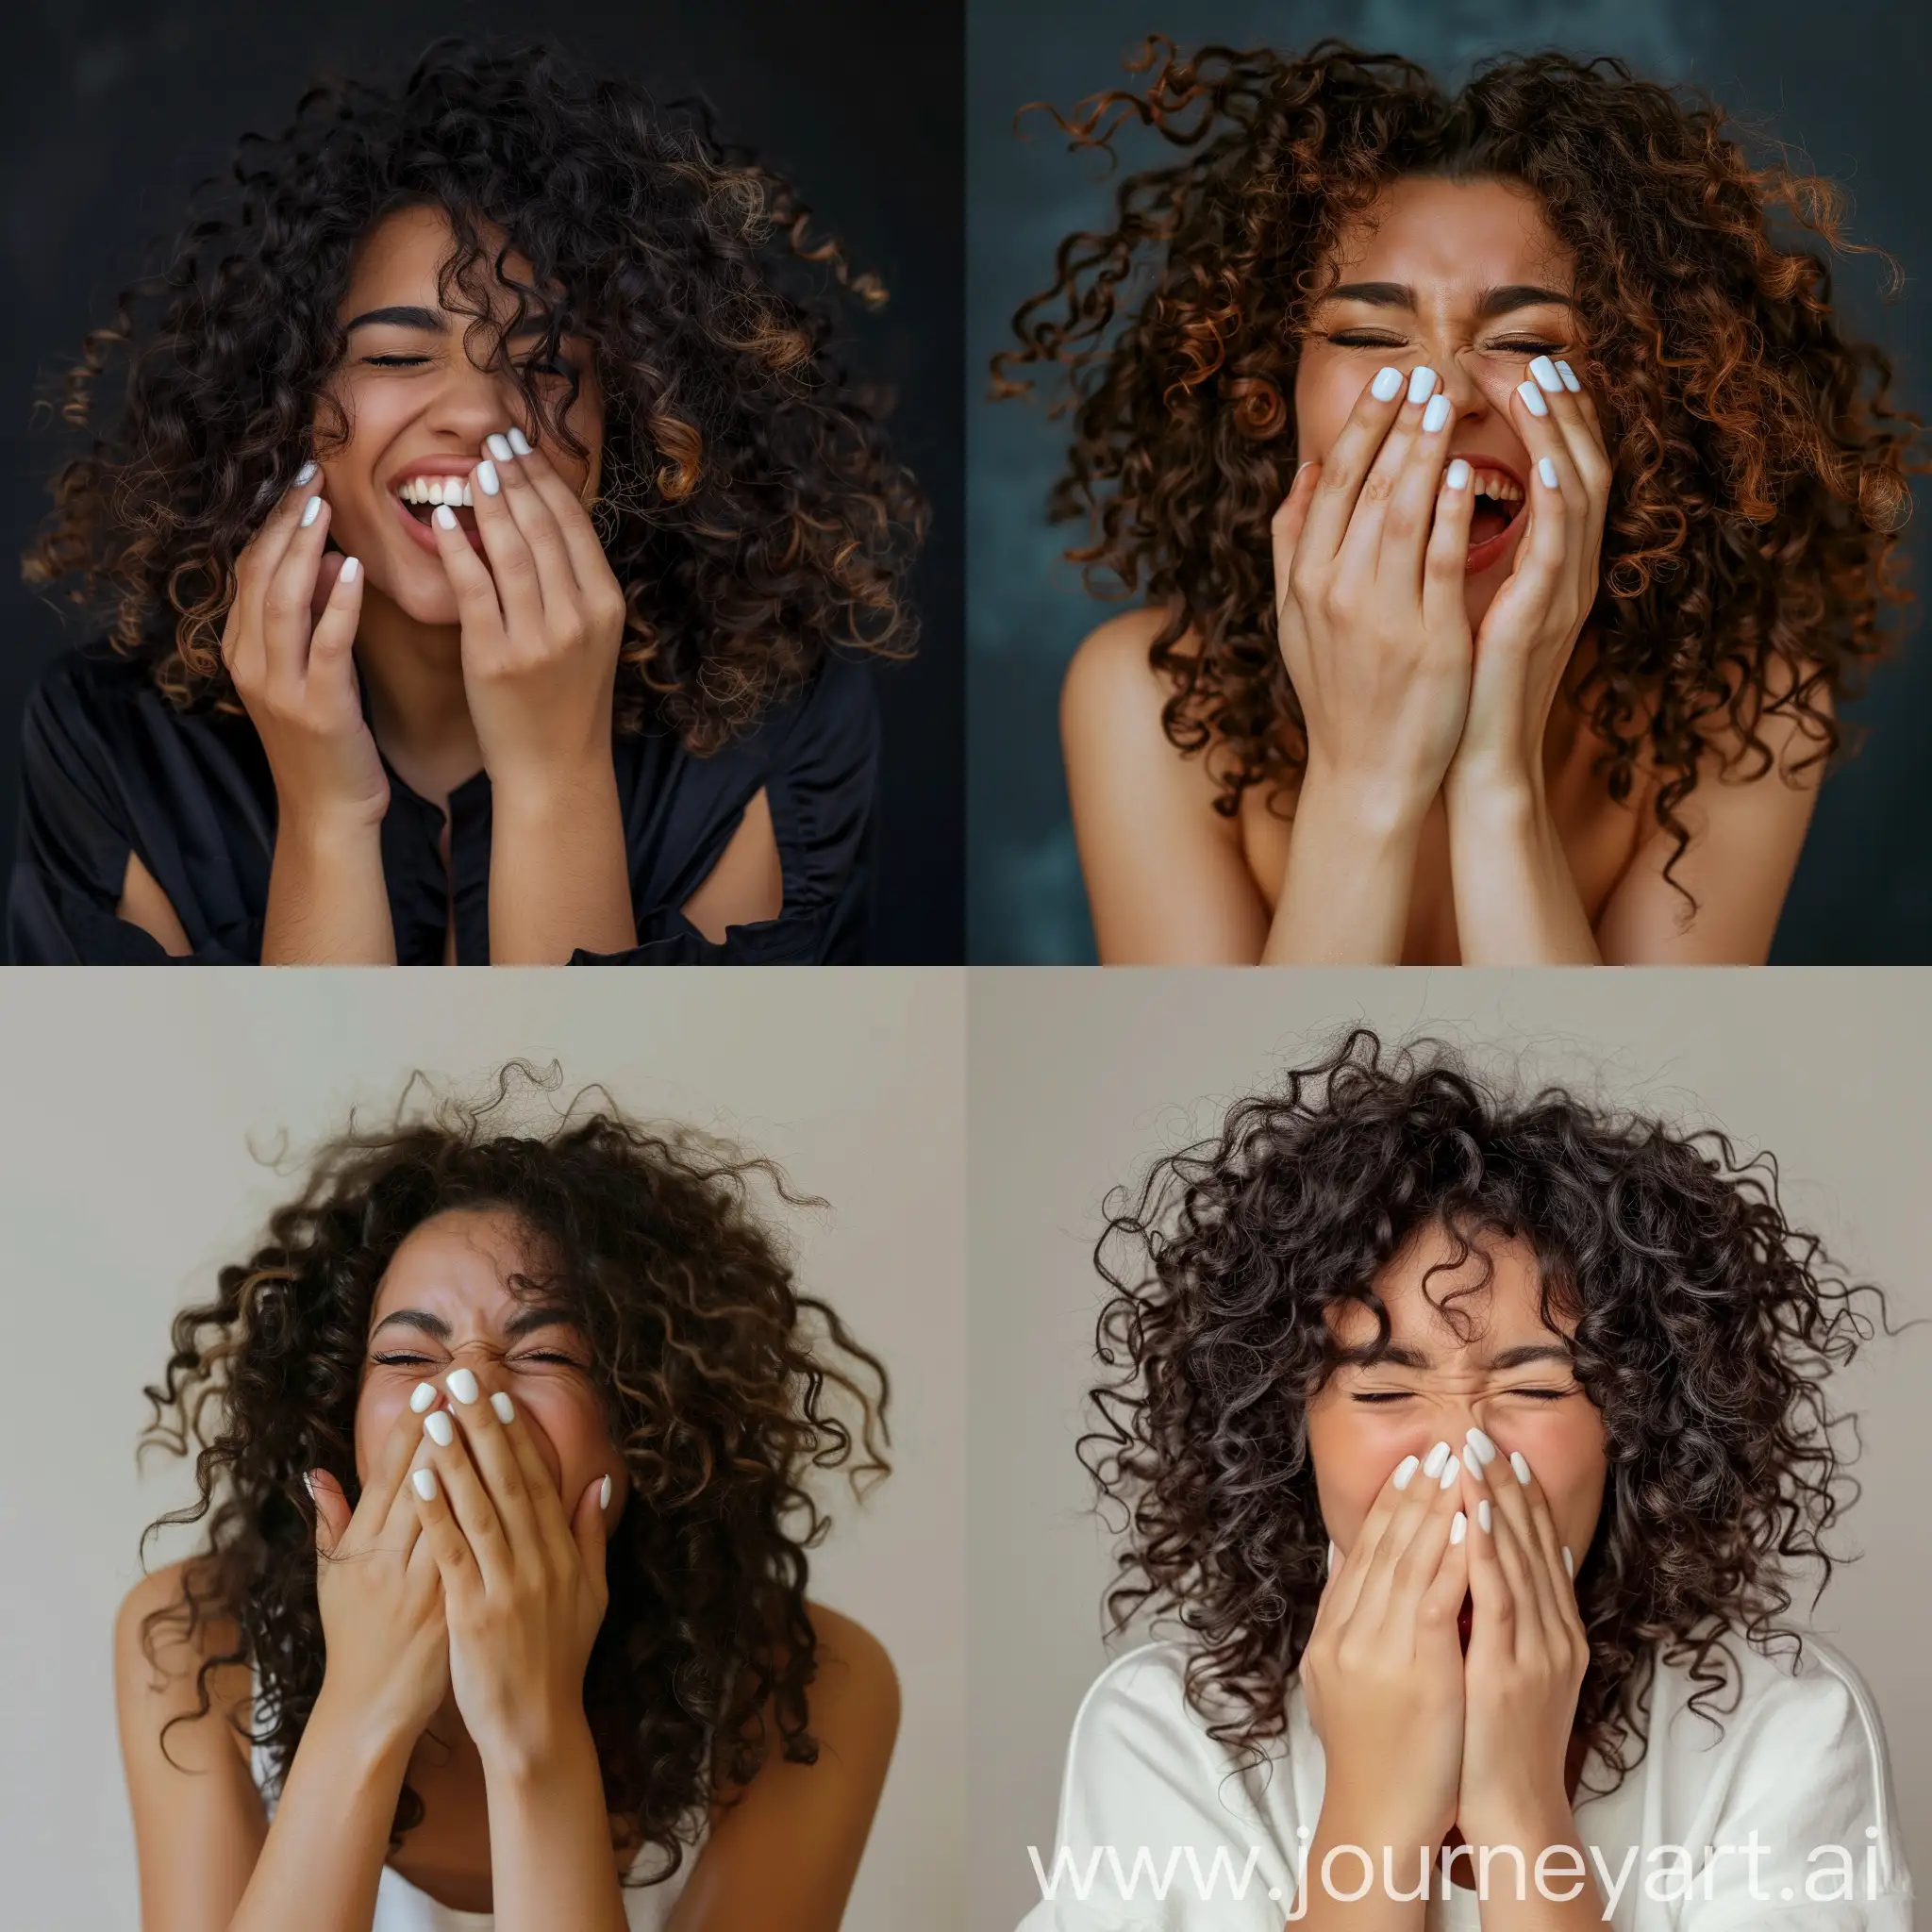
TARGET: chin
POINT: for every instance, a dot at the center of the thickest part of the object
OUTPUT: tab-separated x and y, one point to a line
415	595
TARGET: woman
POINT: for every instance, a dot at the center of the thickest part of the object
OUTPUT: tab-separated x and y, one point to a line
491	548
1469	1436
501	1442
1509	509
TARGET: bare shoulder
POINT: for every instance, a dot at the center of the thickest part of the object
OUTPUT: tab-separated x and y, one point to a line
857	1688
158	1659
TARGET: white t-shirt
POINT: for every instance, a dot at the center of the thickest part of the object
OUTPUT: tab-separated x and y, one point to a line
1800	1759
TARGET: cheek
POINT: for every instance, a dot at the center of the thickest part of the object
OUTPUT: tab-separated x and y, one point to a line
1325	392
1565	1451
1354	1450
377	1411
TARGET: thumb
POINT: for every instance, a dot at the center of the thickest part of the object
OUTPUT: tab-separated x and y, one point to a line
1286	527
331	1509
591	1527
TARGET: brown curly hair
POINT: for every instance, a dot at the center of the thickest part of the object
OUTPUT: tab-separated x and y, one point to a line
721	1386
1758	462
1705	1324
752	510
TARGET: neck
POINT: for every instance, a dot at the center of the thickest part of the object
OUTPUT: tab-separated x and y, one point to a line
417	704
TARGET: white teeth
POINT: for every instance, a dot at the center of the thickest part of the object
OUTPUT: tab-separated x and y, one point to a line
450	489
1497	487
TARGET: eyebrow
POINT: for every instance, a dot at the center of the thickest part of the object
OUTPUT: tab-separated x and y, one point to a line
1494	302
524	1322
1397	1355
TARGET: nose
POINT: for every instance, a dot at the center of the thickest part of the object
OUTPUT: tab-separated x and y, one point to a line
468	402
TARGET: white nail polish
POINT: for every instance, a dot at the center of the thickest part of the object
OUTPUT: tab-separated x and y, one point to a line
1473	1463
423	1482
461	1384
1482	1445
505	1412
303	474
1569	376
1435	415
314	511
1482	1514
445	516
1569	1565
309	1482
422	1395
1458	475
1459	1529
1532	399
1432	1462
519	441
1450	1469
1545	372
1520	1466
1404	1470
443	1432
499	447
351	570
1333	1553
604	1493
1421	381
1385	383
1547	471
485	474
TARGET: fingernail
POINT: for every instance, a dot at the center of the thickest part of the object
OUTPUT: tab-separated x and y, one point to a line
445	516
443	1432
461	1384
604	1493
1569	376
1520	1466
424	1481
1569	1565
1421	381
519	441
1432	1462
1459	1529
1457	477
484	473
422	1395
1482	1514
1545	372
1435	415
1547	471
1472	1461
1448	1478
1404	1470
351	570
1385	383
506	1411
1482	1445
1333	1553
314	511
1532	399
309	1482
303	474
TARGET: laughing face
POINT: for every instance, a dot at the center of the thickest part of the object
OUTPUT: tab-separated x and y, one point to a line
1466	278
418	405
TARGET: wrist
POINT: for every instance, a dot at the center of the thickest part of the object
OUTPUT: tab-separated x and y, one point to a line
360	1741
546	1753
1501	796
555	794
1386	807
329	832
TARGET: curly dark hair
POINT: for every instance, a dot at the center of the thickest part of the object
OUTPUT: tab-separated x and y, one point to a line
752	510
1705	1324
721	1386
1758	462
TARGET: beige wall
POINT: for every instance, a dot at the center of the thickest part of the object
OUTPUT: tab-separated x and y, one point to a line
1079	1079
125	1176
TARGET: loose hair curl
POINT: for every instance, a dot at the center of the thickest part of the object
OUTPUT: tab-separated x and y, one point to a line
752	510
1703	1324
721	1386
1760	465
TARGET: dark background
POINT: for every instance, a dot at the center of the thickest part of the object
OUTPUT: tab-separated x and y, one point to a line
113	111
1844	84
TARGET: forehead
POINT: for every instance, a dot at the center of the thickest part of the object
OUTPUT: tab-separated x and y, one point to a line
405	249
463	1261
1482	234
1504	1312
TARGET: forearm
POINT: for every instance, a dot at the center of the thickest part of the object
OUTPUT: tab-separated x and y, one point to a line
1516	898
1559	1892
1351	870
322	1858
550	1854
328	901
1397	1853
560	878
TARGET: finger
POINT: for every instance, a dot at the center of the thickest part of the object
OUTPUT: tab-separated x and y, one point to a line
1412	510
1285	528
547	1505
469	578
591	1528
1423	1515
1414	1575
332	1511
1544	1533
265	551
288	602
468	1500
1361	547
443	1537
1493	1608
1346	465
496	1463
1533	1610
1574	416
1444	562
1552	484
520	589
531	481
1407	1487
391	1464
1441	1602
332	646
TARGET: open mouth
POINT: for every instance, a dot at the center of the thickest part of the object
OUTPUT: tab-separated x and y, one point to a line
418	498
1499	502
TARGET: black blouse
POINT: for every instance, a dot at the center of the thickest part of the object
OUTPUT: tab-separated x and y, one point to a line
109	767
